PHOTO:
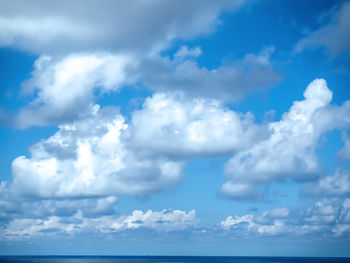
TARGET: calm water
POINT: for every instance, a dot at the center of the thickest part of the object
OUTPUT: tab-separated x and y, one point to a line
150	259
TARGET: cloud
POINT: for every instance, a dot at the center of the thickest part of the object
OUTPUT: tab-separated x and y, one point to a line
184	52
326	218
12	208
333	36
160	221
67	26
289	150
335	185
229	82
344	153
89	158
101	155
183	127
249	223
165	220
82	77
64	89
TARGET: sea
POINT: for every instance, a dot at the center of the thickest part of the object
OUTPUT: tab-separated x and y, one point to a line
163	259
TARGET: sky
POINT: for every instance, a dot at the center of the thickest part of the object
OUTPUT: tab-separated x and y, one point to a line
175	127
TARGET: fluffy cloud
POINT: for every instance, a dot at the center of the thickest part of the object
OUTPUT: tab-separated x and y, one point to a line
64	89
269	223
67	26
229	82
101	155
289	149
89	158
183	127
165	220
334	36
328	217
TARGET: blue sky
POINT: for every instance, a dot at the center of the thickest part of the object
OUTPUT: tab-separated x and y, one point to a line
175	128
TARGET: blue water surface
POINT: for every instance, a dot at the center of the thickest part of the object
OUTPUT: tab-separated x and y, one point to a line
162	259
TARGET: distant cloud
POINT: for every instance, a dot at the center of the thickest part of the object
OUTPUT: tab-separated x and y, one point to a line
11	207
335	185
333	36
67	26
160	221
269	223
328	218
288	152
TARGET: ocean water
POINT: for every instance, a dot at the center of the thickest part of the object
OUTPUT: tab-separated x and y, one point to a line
161	259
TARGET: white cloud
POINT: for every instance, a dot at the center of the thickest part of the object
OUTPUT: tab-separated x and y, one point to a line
67	26
89	158
185	127
66	88
247	223
328	217
288	152
101	155
234	222
165	220
160	221
334	35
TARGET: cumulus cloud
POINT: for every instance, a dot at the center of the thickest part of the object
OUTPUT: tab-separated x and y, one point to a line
160	221
183	127
289	150
65	88
328	217
66	26
165	220
270	223
101	155
89	158
333	36
229	82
